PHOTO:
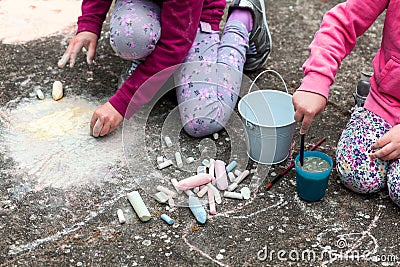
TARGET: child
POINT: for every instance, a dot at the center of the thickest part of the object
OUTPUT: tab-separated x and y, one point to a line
368	151
158	35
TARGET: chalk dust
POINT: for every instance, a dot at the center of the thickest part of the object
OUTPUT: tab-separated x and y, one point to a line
26	20
50	142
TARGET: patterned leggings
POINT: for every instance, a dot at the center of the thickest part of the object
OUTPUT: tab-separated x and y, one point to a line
358	172
209	81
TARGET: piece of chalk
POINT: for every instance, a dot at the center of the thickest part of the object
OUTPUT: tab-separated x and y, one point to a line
202	192
241	177
217	195
197	209
57	91
215	135
178	159
168	141
121	217
231	166
166	191
246	193
167	219
234	195
160	159
232	186
175	184
237	172
196	189
231	177
39	94
171	202
161	197
211	168
193	181
211	202
165	164
221	178
189	192
201	169
138	205
189	160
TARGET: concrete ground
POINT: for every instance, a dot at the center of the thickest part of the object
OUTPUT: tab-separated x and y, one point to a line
48	224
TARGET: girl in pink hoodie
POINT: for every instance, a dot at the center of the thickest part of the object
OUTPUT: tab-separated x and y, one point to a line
368	151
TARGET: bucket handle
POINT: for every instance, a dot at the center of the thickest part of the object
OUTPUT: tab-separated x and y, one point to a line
271	71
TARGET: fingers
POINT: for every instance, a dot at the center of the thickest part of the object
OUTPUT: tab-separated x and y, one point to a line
91	52
98	126
64	59
305	121
106	129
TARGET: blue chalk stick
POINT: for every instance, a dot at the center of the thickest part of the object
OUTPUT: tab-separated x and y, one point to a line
167	219
197	209
231	166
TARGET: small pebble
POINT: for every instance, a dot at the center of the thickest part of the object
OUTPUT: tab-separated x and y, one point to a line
215	135
219	257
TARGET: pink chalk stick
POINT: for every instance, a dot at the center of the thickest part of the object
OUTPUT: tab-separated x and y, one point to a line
211	202
194	181
220	175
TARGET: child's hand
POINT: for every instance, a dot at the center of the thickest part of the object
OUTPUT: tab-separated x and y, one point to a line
104	120
82	39
307	105
388	146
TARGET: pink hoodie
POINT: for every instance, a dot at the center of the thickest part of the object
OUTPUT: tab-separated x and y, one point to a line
336	38
180	19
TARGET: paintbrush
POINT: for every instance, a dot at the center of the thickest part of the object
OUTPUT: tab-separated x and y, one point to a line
277	178
301	149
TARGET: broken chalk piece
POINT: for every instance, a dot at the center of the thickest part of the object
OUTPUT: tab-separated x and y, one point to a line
197	209
189	192
233	195
196	189
160	160
189	160
57	91
39	94
202	192
215	135
166	191
178	159
201	169
237	172
121	217
168	141
220	175
165	164
171	202
175	184
206	162
232	186
246	193
161	197
211	202
217	195
231	176
167	219
241	177
193	181
138	205
231	166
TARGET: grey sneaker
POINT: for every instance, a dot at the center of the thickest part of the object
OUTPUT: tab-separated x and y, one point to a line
362	89
260	42
128	71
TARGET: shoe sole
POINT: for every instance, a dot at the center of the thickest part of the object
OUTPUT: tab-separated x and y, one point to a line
257	66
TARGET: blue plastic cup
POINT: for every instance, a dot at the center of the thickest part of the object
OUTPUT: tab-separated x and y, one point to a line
311	186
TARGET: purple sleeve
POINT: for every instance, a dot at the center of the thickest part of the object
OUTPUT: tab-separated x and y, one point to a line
94	13
179	20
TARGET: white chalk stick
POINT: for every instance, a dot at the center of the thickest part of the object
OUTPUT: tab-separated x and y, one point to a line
168	141
138	205
178	159
211	202
121	217
246	193
231	177
189	160
165	164
233	195
241	177
39	94
166	191
160	159
237	172
57	91
211	168
202	192
161	197
217	195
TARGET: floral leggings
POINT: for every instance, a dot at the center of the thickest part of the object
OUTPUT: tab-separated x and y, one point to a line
357	170
208	83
